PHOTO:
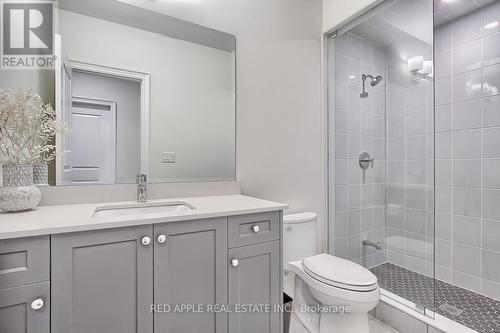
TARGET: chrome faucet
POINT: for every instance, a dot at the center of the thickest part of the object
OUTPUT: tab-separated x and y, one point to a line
142	188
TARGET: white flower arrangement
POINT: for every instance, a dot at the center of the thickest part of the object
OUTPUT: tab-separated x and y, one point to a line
27	128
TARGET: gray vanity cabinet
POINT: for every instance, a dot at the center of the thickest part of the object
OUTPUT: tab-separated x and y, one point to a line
190	267
130	279
24	261
25	309
24	285
254	277
102	281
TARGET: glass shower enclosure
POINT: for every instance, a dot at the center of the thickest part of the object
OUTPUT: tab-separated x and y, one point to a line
381	148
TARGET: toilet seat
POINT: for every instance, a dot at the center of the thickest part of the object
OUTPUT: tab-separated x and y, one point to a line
339	273
309	290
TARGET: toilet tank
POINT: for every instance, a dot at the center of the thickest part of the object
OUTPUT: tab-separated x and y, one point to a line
300	239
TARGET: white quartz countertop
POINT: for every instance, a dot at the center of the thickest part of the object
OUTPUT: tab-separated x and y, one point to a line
47	220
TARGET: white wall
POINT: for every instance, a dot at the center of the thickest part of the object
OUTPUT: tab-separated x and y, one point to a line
338	12
281	153
281	133
192	93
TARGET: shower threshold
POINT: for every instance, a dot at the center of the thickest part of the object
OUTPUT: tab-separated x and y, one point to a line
477	312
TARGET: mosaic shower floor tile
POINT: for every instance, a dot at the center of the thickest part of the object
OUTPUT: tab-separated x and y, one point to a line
463	306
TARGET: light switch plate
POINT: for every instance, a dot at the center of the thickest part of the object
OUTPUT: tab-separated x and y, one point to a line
168	158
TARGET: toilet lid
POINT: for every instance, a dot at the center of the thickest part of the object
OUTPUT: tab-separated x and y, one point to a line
339	272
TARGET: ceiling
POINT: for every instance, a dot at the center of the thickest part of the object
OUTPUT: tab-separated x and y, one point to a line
399	20
412	18
447	10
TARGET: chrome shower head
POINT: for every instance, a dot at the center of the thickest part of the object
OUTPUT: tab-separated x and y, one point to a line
376	80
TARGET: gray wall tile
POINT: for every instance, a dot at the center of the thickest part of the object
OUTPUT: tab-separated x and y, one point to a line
467	201
491	173
467	144
467	230
467	57
464	86
467	173
466	281
467	115
491	116
491	266
491	138
491	235
443	226
443	253
466	259
491	206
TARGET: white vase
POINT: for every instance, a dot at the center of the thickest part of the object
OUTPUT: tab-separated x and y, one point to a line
18	192
41	174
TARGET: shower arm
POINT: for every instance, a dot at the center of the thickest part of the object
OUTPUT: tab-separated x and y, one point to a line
364	94
365	76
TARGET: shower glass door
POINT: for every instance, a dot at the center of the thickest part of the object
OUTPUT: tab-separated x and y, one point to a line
381	148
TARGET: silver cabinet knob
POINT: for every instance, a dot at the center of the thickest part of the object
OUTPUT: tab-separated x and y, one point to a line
146	240
289	228
162	239
37	304
255	228
235	262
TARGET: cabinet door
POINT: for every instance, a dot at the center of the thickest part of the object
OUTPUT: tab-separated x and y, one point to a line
254	276
190	268
25	309
102	281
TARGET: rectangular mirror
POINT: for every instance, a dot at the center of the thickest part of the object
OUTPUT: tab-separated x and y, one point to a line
138	92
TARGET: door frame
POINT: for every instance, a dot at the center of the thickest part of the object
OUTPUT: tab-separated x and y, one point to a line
62	66
112	108
145	81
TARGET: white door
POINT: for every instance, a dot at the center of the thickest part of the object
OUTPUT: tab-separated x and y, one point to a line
93	141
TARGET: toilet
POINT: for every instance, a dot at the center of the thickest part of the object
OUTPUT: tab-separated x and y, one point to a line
330	294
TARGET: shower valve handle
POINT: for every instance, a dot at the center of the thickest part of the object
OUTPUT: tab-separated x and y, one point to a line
365	160
370	161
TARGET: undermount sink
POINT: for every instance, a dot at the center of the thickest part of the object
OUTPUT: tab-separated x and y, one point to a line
141	209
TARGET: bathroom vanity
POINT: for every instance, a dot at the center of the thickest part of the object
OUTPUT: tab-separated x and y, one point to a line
116	268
